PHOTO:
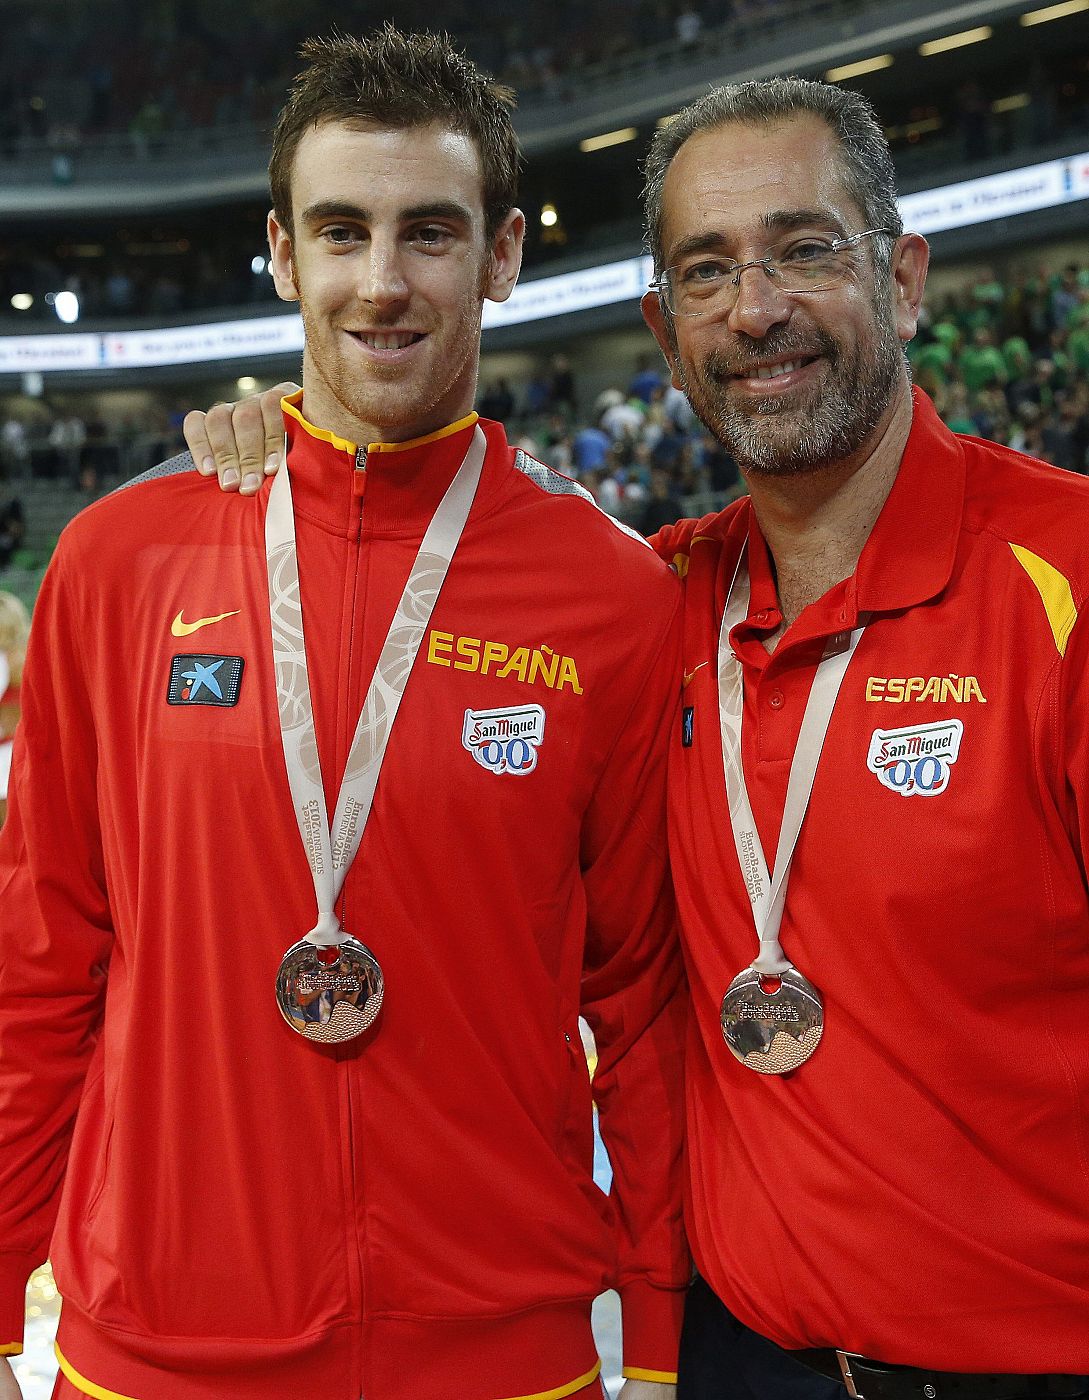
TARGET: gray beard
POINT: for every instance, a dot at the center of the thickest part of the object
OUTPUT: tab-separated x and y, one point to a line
770	438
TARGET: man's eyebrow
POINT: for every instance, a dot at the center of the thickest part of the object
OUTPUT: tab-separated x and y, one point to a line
439	209
787	220
778	221
334	209
345	209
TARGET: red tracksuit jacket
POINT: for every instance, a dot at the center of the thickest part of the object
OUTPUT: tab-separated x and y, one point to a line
233	1211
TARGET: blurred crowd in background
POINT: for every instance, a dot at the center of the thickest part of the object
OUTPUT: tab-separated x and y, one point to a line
158	68
144	69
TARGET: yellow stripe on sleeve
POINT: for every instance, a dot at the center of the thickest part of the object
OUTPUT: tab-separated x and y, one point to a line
1054	591
636	1373
570	1389
11	1348
82	1383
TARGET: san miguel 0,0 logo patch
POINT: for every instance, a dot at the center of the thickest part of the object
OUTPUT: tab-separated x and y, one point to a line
504	741
915	761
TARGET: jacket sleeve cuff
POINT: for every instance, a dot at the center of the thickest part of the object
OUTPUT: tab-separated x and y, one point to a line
15	1270
652	1330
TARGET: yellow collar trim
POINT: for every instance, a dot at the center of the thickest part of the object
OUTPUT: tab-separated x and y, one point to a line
290	405
448	431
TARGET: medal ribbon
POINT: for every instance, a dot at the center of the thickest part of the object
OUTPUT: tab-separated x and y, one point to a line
767	891
331	850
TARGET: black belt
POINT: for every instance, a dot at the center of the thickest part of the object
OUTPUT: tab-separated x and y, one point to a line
876	1380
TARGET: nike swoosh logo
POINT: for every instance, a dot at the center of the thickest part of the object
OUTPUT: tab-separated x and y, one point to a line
689	674
183	629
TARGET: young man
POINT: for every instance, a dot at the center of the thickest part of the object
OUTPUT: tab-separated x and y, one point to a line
268	1162
903	1208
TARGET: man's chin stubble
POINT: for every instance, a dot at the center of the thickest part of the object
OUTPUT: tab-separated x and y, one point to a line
821	435
758	440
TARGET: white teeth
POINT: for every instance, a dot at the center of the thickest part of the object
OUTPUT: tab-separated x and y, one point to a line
774	372
389	341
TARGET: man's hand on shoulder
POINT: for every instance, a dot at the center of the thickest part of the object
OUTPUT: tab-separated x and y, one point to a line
9	1386
240	443
647	1390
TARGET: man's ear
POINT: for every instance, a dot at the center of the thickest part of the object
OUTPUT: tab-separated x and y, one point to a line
662	331
910	259
505	259
281	259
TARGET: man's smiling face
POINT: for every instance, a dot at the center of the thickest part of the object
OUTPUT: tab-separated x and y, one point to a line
788	383
390	262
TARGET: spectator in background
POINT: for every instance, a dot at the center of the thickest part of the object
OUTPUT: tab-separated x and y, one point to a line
719	466
647	380
663	505
562	394
1064	297
66	438
12	529
14	448
622	418
981	363
589	450
497	401
14	630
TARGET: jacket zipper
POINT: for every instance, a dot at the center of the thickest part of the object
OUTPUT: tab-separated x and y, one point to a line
355	1250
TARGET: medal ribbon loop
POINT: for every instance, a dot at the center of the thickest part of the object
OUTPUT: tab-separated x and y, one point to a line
767	890
331	850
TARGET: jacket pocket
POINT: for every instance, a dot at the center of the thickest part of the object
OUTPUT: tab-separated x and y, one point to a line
102	1168
575	1141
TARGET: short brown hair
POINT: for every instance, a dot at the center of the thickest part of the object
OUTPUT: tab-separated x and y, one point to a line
868	170
398	81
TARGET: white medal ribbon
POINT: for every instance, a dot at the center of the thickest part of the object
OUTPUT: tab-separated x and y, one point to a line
331	850
767	892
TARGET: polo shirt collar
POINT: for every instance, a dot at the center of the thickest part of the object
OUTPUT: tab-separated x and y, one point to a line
909	556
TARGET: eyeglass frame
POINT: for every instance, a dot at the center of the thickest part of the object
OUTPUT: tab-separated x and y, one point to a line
661	283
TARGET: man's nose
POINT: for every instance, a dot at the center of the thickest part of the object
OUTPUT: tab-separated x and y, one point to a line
382	275
761	303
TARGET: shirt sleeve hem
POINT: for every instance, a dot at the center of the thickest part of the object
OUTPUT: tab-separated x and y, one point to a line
15	1270
652	1330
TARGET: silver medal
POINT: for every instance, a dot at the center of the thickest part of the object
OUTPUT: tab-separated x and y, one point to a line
772	1024
329	987
329	994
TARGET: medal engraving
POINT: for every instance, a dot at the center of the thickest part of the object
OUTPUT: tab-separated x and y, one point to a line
330	994
772	1024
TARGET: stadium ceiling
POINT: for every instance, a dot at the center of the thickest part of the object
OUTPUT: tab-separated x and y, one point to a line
109	180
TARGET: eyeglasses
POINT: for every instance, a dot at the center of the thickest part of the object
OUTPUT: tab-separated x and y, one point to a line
811	264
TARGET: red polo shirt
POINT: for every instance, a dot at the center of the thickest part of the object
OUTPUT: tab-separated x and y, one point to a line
918	1190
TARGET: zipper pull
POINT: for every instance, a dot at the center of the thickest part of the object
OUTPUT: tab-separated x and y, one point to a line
359	475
